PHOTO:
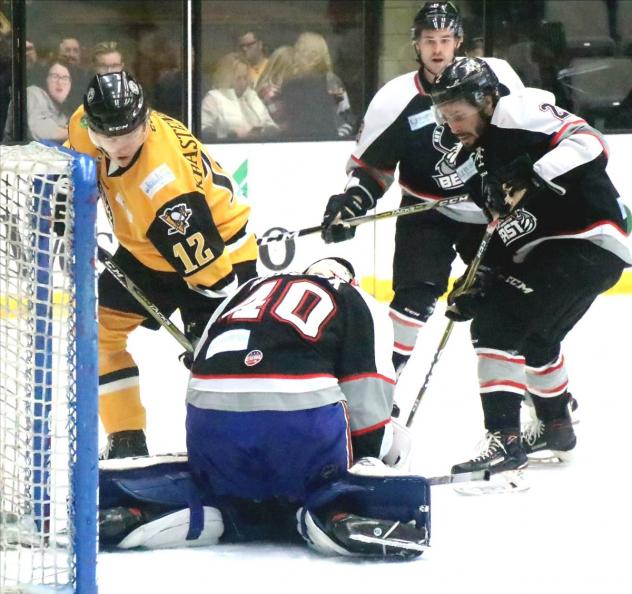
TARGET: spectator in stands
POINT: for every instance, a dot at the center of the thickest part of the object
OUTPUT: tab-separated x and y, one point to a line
232	109
69	52
47	109
279	68
36	71
252	49
314	101
106	57
170	81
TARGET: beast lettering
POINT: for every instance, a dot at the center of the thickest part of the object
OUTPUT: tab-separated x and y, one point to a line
516	225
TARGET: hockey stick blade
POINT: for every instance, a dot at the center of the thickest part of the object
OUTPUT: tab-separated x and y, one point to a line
402	211
463	477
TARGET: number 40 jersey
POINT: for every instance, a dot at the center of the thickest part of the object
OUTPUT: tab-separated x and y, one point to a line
292	342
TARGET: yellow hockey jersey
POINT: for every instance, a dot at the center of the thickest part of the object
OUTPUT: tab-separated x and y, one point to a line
173	207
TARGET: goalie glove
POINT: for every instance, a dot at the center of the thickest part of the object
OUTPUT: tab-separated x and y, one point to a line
355	202
510	185
399	454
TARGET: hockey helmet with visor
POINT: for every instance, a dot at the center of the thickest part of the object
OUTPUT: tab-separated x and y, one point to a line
468	80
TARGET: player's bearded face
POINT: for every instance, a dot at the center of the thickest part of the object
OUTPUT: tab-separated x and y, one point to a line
437	48
120	149
466	121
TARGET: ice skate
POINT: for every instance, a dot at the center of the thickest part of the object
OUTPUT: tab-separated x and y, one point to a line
125	444
549	443
502	454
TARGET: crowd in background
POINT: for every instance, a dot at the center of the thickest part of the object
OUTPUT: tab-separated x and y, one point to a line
291	89
291	94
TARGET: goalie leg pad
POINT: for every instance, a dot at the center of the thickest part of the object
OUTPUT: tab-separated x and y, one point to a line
172	530
158	481
384	516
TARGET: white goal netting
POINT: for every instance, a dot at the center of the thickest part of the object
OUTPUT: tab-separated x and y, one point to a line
42	350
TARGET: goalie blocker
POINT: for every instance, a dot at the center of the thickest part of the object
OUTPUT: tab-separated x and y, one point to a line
370	511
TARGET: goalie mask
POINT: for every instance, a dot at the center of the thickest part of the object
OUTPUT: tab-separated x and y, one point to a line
333	268
114	104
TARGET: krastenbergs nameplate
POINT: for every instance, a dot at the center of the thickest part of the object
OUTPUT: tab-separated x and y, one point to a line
421	119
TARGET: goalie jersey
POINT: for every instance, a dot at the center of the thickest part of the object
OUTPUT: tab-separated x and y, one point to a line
294	342
173	207
399	129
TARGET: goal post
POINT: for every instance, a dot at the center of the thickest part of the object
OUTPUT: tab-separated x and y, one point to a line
48	371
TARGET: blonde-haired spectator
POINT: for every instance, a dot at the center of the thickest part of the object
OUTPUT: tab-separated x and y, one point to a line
232	108
106	57
314	101
280	68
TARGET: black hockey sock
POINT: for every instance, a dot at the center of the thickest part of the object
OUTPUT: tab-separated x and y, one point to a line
501	411
551	408
399	361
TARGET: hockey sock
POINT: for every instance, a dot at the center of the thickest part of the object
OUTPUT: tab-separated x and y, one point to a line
551	407
501	411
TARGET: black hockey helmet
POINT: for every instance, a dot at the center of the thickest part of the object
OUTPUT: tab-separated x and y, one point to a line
437	15
469	79
332	267
114	104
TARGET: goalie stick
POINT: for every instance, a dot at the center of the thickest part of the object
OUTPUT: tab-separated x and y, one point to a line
467	283
114	269
355	221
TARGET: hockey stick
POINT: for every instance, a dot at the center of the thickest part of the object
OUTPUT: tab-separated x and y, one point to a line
464	477
113	268
467	283
355	221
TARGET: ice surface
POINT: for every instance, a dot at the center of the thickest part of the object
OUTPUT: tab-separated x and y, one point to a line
570	533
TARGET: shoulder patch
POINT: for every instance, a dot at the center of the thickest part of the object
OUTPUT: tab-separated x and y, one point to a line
156	180
518	224
421	119
177	218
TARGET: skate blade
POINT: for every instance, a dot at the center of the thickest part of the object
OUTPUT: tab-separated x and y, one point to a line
510	481
550	458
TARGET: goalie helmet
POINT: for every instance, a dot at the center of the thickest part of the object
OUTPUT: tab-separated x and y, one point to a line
333	267
437	15
468	79
114	104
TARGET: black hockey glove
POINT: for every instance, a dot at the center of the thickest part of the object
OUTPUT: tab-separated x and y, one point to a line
510	185
353	203
464	302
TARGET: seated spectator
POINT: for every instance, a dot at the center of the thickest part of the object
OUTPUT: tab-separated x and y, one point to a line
315	103
232	109
279	68
69	52
106	57
47	109
251	48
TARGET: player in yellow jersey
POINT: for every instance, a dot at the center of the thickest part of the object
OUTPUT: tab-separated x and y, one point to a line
181	231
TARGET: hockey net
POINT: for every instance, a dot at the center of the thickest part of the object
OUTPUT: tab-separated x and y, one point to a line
48	371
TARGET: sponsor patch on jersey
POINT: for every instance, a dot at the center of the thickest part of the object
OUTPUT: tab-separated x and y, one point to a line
421	119
253	358
177	218
518	224
157	179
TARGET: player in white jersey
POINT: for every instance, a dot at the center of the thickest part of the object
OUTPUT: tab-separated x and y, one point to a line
399	130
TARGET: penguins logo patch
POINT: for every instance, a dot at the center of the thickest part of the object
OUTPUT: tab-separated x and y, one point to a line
177	218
